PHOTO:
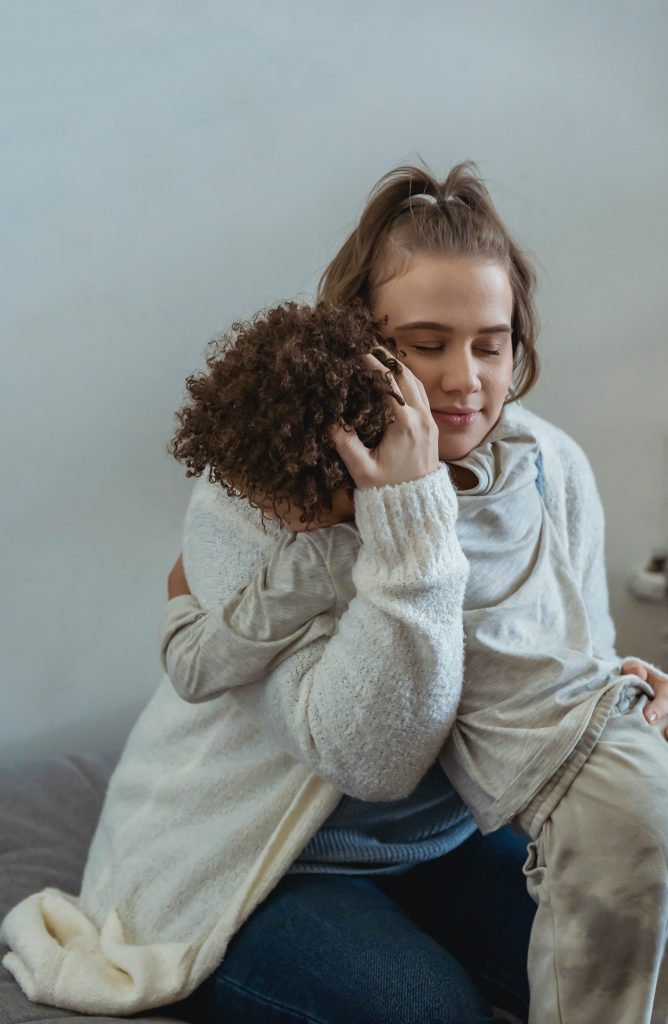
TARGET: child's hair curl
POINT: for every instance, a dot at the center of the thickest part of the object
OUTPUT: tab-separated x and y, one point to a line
257	419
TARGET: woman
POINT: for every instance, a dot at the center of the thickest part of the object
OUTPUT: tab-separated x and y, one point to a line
439	933
429	942
434	297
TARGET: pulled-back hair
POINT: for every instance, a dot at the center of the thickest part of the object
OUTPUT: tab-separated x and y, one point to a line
409	211
257	418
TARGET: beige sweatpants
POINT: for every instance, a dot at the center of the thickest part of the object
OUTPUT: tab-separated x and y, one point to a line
598	870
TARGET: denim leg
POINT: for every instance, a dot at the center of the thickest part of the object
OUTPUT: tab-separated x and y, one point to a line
334	949
474	901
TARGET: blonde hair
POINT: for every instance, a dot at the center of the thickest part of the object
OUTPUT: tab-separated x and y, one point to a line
410	211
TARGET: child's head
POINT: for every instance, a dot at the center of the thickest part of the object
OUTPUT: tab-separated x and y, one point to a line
433	261
257	419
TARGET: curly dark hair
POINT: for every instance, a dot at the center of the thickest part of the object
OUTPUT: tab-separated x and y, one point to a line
257	418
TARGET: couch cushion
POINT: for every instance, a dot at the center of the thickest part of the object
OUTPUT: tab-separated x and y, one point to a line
48	813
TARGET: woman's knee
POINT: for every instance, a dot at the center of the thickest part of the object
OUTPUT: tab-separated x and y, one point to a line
387	998
332	949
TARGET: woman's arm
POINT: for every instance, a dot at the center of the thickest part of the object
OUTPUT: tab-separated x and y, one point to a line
290	602
369	707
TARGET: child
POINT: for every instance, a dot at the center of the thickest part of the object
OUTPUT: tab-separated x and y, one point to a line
257	424
505	753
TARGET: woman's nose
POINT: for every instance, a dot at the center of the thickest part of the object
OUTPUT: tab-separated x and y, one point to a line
460	374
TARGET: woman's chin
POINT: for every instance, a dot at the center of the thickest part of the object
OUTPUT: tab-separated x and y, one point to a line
452	453
451	449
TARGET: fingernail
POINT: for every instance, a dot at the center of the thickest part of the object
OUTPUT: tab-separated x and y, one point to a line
652	716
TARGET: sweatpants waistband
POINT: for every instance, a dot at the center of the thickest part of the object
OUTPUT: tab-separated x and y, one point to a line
617	700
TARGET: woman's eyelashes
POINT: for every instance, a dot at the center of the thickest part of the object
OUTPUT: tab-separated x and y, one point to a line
439	348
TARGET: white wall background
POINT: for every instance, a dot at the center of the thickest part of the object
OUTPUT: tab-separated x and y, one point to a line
171	165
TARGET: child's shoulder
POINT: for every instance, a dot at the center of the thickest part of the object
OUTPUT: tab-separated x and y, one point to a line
213	501
335	544
235	516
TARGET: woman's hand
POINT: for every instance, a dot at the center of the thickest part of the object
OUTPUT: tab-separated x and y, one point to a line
409	447
657	708
177	583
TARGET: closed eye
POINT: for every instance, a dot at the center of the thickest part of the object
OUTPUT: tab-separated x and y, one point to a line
432	348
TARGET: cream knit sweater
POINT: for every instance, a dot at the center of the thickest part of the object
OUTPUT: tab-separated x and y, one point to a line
211	803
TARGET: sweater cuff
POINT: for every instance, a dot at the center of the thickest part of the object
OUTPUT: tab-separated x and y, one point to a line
409	522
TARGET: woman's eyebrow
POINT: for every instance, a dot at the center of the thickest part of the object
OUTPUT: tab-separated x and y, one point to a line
433	325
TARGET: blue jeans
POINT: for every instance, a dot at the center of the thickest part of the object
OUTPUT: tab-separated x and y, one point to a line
440	943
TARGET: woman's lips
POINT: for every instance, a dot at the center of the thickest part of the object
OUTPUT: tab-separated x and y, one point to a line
456	420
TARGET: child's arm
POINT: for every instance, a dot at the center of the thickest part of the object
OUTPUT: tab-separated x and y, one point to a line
290	602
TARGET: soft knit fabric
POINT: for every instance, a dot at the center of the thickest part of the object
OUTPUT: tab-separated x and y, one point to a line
212	803
389	837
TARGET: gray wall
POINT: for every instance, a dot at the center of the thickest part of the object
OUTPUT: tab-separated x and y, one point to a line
170	166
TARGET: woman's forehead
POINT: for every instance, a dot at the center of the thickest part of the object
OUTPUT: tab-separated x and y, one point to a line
440	289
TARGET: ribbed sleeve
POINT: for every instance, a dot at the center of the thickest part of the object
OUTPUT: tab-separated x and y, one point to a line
369	708
403	527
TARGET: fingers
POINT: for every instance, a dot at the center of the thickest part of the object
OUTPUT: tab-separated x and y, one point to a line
390	368
353	452
630	666
656	709
409	447
407	385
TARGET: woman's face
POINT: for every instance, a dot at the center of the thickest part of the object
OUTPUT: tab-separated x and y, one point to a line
450	317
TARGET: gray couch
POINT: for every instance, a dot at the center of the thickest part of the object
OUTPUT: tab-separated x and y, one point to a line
48	813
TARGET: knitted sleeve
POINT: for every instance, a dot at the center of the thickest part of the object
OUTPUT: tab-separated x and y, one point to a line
369	708
289	602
